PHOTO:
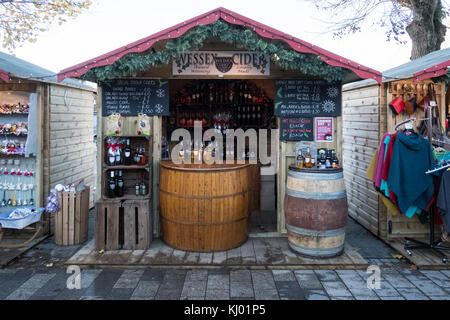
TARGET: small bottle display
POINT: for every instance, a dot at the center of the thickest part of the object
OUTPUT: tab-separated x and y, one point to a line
127	153
112	185
299	161
119	186
334	160
111	156
328	161
308	158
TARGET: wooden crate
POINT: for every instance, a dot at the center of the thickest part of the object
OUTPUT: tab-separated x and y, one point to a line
137	219
72	218
123	225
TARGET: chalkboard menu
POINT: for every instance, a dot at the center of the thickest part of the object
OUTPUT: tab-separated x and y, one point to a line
132	96
296	129
307	98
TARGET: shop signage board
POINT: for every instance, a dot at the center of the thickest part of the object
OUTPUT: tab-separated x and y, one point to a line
307	98
236	63
324	129
296	129
129	97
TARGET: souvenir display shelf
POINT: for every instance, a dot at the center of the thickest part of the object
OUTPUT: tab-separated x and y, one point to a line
17	171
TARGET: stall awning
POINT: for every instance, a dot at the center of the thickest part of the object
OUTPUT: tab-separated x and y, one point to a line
11	66
434	64
232	18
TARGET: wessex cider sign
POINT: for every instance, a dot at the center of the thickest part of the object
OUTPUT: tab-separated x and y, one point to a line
221	63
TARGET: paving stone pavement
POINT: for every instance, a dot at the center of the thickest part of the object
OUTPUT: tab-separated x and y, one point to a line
30	280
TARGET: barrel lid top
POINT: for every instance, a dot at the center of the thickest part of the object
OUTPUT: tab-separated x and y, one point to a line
202	167
314	170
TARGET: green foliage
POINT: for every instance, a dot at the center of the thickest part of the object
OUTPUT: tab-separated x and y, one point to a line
442	79
22	20
288	59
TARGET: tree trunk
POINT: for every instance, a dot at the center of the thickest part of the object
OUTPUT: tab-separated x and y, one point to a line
426	30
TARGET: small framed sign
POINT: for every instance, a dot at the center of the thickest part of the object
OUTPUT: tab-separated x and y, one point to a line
296	129
324	129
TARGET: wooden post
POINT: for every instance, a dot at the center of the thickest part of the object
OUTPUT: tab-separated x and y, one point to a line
157	132
98	182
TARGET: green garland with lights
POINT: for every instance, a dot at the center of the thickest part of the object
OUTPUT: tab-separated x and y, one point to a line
287	59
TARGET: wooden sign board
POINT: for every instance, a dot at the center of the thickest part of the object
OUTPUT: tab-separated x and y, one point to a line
307	98
129	97
296	129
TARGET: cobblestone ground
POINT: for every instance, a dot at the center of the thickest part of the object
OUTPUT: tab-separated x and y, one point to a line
397	283
28	278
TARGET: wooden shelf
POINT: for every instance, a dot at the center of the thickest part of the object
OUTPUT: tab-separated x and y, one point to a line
135	136
128	197
124	167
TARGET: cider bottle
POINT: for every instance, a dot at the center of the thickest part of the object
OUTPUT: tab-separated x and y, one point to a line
299	161
308	159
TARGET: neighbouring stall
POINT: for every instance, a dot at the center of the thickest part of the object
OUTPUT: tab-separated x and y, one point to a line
399	106
47	136
217	73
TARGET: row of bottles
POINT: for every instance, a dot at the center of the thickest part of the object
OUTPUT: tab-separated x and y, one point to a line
198	151
249	116
326	159
117	154
116	185
187	119
220	92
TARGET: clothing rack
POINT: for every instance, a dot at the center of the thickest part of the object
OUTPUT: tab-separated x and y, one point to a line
433	244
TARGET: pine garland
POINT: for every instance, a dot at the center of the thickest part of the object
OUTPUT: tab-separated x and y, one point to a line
286	59
444	78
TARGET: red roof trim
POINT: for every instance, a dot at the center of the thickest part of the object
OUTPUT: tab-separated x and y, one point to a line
4	75
207	18
434	71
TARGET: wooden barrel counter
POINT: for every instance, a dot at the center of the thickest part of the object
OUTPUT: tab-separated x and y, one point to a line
204	208
316	211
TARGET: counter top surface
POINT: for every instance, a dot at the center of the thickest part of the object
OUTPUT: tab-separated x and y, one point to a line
203	166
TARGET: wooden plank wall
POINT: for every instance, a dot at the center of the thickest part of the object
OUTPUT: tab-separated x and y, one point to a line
361	117
71	154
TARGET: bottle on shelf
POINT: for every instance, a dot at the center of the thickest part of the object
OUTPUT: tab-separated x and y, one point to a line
119	186
137	188
143	157
308	158
111	185
328	159
118	153
142	189
136	158
200	153
181	151
111	156
334	160
313	162
196	151
127	153
299	161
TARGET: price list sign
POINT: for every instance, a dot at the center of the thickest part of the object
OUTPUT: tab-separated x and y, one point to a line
296	129
129	97
307	98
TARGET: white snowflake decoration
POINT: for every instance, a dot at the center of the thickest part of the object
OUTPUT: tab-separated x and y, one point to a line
328	106
159	108
332	92
160	93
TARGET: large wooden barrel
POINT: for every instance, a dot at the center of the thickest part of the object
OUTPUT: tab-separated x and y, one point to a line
204	208
315	208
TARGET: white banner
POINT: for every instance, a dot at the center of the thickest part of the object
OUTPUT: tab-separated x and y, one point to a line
236	63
